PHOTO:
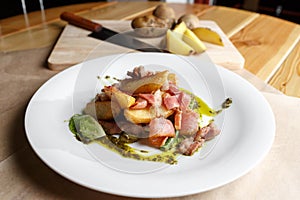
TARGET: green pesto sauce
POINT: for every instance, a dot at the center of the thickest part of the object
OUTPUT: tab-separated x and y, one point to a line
126	151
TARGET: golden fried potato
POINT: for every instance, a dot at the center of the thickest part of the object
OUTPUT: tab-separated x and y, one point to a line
115	108
102	110
146	84
173	78
124	100
145	115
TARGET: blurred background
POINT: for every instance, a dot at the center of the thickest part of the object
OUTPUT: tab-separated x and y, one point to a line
285	9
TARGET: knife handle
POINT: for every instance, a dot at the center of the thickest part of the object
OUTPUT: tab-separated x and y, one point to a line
80	21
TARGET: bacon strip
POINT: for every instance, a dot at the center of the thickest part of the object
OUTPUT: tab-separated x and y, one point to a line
189	122
178	119
173	89
170	102
140	103
160	126
184	100
149	97
159	130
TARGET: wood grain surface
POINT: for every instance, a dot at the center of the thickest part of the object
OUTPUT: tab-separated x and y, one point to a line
38	31
287	78
19	23
265	53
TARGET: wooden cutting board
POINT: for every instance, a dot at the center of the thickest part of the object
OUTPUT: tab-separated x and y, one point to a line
74	46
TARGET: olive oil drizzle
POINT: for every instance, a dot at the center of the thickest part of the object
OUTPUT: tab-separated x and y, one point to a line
203	109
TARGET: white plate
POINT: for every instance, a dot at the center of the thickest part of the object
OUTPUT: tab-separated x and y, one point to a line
248	129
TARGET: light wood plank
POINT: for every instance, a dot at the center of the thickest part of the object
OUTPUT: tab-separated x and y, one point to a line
16	35
18	23
230	20
196	9
33	38
265	43
42	35
287	78
121	10
134	9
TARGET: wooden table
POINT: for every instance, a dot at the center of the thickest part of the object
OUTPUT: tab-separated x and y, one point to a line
270	46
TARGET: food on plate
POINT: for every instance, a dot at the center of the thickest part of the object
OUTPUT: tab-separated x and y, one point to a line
144	115
190	20
101	109
155	24
145	83
122	99
86	128
150	109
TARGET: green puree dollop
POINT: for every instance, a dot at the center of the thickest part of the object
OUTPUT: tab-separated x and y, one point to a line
85	128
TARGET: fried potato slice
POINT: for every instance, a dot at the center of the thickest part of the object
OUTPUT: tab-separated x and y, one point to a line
146	84
173	78
124	100
142	116
102	110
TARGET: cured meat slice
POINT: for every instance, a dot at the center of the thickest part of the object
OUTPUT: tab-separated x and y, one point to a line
189	122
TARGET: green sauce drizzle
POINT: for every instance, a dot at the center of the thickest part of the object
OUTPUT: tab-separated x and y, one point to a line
127	151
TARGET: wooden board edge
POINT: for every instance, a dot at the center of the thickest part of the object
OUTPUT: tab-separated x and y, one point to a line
245	22
270	68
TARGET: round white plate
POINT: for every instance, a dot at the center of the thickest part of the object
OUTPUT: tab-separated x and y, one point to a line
248	129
